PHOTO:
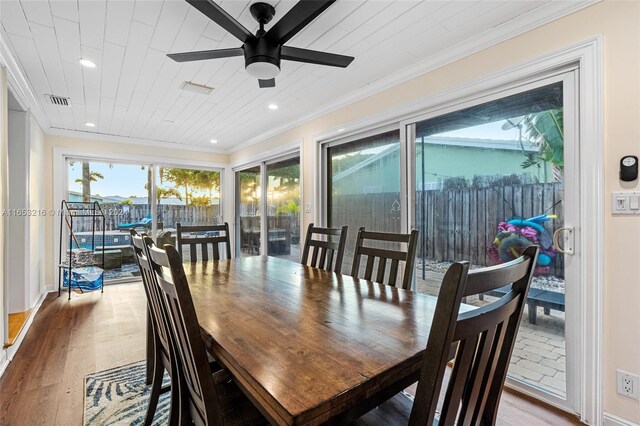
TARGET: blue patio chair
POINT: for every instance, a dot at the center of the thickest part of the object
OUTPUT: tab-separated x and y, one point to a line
146	222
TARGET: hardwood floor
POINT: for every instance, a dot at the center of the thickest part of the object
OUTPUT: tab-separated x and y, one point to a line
44	384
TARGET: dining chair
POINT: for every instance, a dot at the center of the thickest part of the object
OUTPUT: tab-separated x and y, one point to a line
363	248
205	235
150	344
485	338
206	398
162	359
324	252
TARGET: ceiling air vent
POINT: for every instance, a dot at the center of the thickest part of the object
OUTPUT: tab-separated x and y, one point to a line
195	87
58	100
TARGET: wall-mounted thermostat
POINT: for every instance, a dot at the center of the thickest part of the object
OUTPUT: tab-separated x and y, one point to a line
629	168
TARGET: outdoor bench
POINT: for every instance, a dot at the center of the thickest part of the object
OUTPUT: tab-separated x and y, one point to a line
546	299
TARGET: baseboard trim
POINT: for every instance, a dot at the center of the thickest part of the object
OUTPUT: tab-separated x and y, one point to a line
9	353
3	361
613	420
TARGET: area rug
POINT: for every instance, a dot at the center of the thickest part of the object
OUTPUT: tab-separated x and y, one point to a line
119	396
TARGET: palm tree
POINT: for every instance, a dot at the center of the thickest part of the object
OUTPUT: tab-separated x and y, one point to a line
181	178
162	193
546	130
87	177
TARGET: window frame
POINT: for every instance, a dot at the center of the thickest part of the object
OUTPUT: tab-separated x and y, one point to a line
586	59
61	178
263	163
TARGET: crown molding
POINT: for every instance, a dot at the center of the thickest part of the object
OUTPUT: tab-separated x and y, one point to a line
55	131
18	84
542	15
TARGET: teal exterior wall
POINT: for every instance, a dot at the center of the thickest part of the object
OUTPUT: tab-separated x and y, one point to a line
441	162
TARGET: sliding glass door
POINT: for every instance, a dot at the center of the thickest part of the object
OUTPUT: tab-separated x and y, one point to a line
124	192
190	197
283	208
484	179
273	187
248	211
490	180
363	187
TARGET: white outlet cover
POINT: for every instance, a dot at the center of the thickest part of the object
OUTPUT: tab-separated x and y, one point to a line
621	203
627	384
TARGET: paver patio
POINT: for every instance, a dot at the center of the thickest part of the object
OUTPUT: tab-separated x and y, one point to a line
539	357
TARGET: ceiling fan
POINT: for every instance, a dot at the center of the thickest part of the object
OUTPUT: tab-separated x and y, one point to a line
263	51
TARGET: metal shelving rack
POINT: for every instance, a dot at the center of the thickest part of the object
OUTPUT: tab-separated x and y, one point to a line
70	210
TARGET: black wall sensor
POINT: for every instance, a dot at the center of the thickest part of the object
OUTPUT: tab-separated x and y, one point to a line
629	168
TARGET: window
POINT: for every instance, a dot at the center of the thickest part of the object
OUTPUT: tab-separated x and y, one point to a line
124	191
248	208
481	172
283	209
475	171
279	197
363	187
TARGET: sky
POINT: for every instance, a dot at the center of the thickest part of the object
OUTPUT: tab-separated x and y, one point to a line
121	179
124	180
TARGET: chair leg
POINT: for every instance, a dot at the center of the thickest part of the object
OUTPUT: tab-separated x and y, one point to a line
183	401
532	308
156	386
176	405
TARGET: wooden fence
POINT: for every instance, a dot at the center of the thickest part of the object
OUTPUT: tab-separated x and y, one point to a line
454	224
376	212
168	215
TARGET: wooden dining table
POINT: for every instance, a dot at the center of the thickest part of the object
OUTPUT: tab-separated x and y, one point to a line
309	346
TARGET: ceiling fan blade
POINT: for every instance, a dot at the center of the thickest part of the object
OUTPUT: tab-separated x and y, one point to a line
206	54
296	19
267	83
315	57
217	14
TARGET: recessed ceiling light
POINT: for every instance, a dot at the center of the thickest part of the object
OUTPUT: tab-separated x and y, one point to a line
89	124
273	106
87	63
214	141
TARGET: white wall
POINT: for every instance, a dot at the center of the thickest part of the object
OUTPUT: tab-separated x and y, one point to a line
25	234
17	242
37	189
619	24
3	205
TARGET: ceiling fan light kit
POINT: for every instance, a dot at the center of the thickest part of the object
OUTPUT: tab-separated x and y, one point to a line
262	70
263	51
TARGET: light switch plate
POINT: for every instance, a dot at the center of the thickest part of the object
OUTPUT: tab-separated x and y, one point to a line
622	203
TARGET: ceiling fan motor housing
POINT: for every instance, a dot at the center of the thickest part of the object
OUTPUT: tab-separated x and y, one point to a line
261	49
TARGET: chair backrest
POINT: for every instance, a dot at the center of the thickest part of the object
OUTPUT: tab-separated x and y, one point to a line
156	306
395	256
484	336
206	234
197	390
324	252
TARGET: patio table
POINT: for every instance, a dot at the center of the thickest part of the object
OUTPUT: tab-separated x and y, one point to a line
305	345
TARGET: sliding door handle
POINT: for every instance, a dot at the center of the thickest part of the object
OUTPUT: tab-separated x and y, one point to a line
568	239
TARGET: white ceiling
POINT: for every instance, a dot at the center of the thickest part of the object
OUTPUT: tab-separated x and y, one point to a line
134	92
